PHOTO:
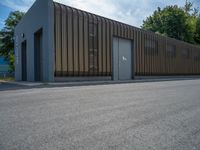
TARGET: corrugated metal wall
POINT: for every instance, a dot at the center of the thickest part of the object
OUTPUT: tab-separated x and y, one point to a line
83	47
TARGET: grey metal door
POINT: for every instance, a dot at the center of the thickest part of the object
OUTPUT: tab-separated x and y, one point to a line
125	59
122	59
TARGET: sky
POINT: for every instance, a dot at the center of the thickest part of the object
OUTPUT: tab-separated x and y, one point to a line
132	12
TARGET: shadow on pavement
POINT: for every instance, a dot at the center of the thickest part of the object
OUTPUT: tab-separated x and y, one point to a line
5	86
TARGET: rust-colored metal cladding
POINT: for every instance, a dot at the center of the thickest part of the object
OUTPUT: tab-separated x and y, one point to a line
84	43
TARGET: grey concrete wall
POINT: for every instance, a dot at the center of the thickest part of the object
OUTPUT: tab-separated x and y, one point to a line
40	15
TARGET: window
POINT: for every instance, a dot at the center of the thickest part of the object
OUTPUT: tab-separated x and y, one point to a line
186	54
151	47
171	51
92	47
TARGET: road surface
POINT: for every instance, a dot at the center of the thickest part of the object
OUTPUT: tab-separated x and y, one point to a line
135	116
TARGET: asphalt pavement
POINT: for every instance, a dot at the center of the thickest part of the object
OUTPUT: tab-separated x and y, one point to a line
127	116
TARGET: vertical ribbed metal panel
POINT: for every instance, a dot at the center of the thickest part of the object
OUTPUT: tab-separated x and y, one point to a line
144	38
100	64
161	55
70	57
90	44
108	49
193	62
64	41
187	62
157	60
138	51
104	46
154	57
141	48
141	52
179	70
111	46
85	39
165	56
73	42
80	43
136	58
57	39
95	46
167	63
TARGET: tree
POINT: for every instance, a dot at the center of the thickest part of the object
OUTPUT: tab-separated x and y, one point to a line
197	35
188	7
7	38
174	21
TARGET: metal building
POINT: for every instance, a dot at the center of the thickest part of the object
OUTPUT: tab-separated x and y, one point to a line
55	42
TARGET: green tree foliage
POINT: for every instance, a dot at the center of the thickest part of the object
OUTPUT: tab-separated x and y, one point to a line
175	22
7	37
188	7
197	34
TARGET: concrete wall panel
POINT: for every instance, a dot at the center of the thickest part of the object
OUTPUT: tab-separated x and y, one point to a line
39	16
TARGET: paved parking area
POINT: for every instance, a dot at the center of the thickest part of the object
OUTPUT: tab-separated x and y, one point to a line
135	116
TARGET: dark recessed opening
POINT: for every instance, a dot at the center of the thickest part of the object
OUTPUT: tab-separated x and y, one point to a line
38	55
24	61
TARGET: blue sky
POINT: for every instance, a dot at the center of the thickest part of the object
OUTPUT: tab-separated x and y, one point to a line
4	11
132	12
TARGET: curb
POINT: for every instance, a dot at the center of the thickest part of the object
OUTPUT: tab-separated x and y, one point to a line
83	83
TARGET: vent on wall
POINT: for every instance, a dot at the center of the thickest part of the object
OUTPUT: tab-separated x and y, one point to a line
197	56
151	47
93	47
171	51
186	53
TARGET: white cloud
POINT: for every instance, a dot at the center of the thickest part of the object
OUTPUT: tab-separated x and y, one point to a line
128	11
22	5
132	12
